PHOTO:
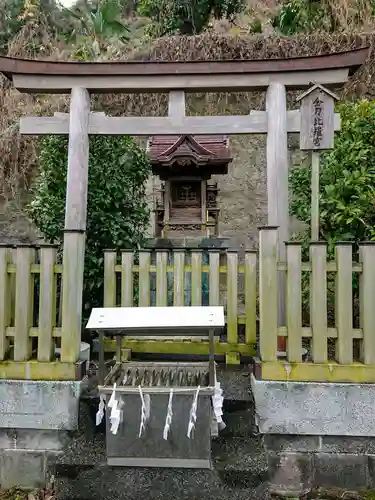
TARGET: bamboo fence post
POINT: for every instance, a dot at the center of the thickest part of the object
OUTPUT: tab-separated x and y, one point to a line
144	278
178	277
318	301
232	296
24	303
294	302
367	308
268	293
47	302
161	278
214	277
196	278
127	278
5	303
250	297
110	258
344	303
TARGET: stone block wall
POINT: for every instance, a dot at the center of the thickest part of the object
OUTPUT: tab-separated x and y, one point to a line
298	464
316	435
35	421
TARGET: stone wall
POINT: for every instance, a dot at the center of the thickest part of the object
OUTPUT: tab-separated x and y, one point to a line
35	419
316	435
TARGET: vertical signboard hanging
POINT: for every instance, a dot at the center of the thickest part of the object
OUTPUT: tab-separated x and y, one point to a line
316	134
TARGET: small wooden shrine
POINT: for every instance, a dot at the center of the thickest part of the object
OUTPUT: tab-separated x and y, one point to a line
187	204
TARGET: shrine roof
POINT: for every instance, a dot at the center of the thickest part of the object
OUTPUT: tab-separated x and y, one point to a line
165	150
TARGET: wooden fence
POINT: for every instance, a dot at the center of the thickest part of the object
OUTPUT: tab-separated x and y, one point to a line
30	310
329	305
330	310
183	277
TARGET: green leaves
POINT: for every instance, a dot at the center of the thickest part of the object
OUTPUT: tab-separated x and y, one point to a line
347	179
117	211
187	17
303	16
97	24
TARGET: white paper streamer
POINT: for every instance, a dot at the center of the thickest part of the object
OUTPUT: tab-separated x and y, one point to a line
217	403
168	418
193	413
145	410
113	396
100	412
115	417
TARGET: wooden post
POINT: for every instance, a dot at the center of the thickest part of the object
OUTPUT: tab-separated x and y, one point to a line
214	277
47	302
277	183
5	258
178	277
250	297
294	303
318	301
144	278
315	156
204	205
366	297
167	207
344	303
232	296
24	303
176	105
75	224
127	278
161	278
268	304
110	257
316	134
196	278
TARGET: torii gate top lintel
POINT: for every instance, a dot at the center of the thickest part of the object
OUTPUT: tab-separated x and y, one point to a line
37	76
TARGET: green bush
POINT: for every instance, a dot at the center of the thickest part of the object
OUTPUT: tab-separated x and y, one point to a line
303	16
117	212
187	17
347	180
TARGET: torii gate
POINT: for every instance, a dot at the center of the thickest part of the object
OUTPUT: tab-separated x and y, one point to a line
80	79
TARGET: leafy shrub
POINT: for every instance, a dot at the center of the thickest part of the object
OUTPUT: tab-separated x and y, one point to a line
347	194
347	180
117	212
187	17
303	16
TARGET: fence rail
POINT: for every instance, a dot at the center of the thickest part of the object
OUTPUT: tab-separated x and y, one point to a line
30	312
329	307
336	298
183	277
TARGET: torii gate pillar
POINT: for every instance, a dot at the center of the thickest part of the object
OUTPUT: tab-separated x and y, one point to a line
277	175
75	223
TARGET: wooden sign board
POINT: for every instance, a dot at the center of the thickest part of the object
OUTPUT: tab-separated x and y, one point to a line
317	119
